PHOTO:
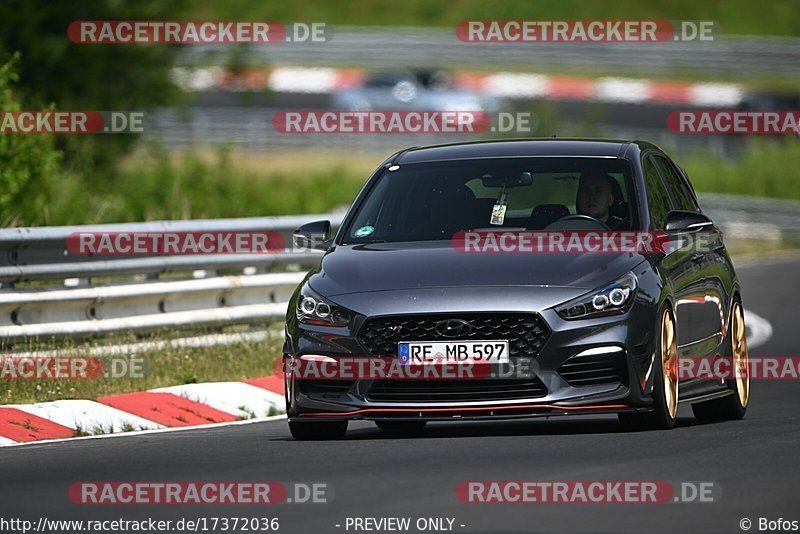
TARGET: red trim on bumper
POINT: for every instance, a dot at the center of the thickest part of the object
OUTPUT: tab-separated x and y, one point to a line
470	409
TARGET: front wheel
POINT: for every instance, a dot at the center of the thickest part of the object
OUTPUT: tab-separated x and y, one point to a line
734	406
317	430
665	382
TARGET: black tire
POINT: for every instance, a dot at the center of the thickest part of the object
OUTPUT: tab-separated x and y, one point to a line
317	430
660	418
728	408
724	409
401	427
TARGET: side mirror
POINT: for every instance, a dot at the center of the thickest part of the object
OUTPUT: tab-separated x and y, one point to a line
686	221
314	235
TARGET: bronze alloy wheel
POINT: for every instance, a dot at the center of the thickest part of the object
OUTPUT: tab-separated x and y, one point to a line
669	363
740	358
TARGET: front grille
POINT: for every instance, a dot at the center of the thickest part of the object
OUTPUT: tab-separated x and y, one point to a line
596	369
526	332
411	391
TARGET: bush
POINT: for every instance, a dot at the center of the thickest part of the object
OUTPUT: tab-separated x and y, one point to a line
154	185
29	163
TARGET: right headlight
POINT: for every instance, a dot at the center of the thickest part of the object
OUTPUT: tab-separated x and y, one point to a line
313	309
614	298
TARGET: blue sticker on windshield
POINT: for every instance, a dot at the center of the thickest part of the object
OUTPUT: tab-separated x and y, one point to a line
364	231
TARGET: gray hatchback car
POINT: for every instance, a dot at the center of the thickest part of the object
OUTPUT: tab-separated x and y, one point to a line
558	332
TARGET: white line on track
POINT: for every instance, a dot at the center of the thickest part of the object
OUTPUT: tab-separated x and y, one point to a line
759	330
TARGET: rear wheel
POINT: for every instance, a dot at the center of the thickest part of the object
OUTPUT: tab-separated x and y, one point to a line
733	406
318	430
665	382
401	427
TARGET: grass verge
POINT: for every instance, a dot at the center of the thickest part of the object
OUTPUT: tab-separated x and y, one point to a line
766	168
154	184
167	366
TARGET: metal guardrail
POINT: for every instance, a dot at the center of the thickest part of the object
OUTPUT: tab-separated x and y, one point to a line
744	217
258	294
392	47
28	254
141	307
76	304
251	128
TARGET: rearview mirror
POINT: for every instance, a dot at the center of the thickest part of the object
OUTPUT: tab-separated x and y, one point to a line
314	235
686	221
520	180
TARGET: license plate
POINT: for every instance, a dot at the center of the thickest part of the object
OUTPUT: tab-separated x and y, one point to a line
452	352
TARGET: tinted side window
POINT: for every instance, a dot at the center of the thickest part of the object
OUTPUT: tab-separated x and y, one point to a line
657	198
677	189
687	186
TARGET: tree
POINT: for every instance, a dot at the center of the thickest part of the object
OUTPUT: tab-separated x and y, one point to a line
26	161
70	76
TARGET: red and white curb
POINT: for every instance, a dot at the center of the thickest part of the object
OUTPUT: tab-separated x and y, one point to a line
189	405
322	80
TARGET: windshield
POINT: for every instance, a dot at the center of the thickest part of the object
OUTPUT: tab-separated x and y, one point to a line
434	201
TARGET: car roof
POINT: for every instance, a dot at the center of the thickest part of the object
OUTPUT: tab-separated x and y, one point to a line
614	148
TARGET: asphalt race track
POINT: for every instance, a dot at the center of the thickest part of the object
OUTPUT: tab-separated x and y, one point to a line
754	461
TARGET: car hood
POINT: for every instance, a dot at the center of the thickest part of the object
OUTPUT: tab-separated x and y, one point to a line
424	265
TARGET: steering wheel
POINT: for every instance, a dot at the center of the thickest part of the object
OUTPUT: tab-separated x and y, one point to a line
577	222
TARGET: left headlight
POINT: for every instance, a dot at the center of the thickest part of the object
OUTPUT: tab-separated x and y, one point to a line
614	298
313	309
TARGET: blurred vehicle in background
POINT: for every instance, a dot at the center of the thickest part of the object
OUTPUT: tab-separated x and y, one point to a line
404	90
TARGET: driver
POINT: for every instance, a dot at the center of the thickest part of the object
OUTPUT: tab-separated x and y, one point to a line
595	198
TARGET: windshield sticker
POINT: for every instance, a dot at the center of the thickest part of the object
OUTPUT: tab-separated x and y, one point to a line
364	231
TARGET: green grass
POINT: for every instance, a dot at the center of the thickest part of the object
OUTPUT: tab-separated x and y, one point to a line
169	366
153	185
767	168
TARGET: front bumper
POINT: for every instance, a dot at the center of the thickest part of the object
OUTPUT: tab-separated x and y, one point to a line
624	343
